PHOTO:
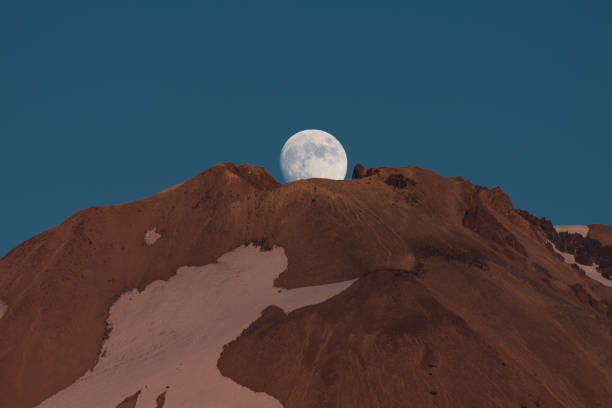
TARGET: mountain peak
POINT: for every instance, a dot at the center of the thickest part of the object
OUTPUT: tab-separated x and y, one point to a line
448	274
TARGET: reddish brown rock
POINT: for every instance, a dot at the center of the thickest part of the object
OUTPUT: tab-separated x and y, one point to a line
481	221
358	172
399	181
587	250
161	400
464	304
601	233
129	402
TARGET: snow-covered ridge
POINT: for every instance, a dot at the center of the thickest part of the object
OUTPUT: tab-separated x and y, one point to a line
169	337
573	229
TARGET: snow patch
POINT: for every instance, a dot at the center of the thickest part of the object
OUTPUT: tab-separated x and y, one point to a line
3	308
590	271
151	237
573	229
170	335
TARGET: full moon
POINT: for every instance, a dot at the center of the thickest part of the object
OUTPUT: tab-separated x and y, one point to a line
313	153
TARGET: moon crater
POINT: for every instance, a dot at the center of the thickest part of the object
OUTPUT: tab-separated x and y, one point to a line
313	153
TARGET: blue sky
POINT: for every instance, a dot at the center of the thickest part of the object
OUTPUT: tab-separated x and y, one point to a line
110	102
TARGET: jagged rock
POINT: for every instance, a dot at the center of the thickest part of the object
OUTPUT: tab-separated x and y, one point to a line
586	250
129	402
542	223
358	172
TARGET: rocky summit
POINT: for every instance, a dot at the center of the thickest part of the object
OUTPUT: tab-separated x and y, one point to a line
398	288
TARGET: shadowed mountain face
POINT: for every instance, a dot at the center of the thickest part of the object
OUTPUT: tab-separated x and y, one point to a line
460	301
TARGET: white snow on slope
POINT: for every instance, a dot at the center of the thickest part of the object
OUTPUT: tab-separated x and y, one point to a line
3	308
590	271
151	237
172	334
573	229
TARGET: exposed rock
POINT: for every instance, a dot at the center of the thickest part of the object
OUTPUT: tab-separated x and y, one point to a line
129	402
587	250
399	181
481	221
161	400
466	256
450	282
358	172
496	199
542	223
265	244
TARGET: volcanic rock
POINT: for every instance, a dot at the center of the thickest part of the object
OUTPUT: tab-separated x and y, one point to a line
457	293
399	181
588	250
358	172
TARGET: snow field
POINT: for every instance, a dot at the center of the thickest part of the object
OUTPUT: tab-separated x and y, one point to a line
170	335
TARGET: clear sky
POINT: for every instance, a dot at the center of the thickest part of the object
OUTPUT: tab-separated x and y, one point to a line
107	102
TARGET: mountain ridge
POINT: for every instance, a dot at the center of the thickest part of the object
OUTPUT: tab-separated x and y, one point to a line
410	232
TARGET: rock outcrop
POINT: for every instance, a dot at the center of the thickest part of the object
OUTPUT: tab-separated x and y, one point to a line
459	302
589	250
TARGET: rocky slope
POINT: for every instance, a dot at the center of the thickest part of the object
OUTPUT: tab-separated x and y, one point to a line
460	300
589	245
601	233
